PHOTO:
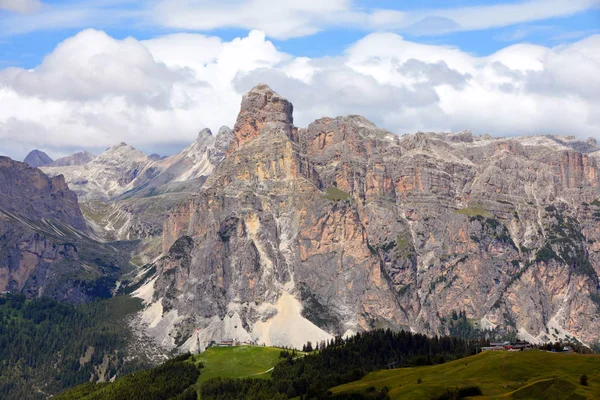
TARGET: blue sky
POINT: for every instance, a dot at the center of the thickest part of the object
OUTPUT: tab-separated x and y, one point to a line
83	75
26	49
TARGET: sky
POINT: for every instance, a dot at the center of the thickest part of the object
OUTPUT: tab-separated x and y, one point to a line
86	75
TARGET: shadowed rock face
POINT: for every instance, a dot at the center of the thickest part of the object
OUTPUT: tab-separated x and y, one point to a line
37	158
30	193
367	229
44	244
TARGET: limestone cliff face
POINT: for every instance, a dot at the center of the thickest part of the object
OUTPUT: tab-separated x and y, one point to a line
262	109
342	226
27	191
44	244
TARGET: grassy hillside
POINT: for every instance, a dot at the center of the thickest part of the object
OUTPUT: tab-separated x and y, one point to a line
237	362
519	375
159	382
337	362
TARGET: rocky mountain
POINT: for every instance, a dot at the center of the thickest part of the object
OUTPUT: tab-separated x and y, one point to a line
126	195
28	192
37	158
186	170
45	243
80	158
300	234
124	172
110	174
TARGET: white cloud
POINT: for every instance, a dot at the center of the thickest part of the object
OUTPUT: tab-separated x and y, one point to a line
283	19
93	66
72	15
21	6
279	19
289	18
496	15
94	91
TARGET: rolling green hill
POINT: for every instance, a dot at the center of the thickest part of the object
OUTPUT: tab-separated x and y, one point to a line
518	375
503	375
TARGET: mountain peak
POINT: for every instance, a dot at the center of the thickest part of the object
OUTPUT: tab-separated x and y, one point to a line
262	111
121	152
120	148
204	133
262	88
37	158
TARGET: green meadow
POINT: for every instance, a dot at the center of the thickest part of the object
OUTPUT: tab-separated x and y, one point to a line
502	375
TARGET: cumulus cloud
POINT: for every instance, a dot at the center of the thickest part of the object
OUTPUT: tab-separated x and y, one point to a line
94	91
93	66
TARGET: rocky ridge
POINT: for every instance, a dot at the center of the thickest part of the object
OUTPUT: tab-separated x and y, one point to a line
80	158
124	172
126	195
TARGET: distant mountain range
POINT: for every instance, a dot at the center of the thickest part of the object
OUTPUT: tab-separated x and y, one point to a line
46	247
275	234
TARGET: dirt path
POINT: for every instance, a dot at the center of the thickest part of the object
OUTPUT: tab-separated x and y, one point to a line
269	370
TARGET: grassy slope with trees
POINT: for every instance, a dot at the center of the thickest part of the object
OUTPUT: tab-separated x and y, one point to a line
431	368
340	361
510	375
172	380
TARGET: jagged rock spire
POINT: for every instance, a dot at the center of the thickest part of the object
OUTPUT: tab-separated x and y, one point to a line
262	111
